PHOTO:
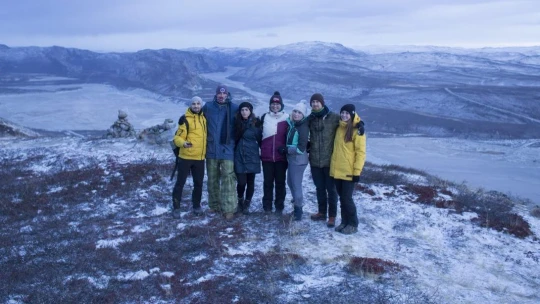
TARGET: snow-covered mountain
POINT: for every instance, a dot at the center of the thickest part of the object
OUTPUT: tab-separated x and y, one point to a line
167	72
477	92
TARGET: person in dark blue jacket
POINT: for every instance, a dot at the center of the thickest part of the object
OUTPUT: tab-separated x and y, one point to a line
247	160
220	153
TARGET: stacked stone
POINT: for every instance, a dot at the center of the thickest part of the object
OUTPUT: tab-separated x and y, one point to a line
121	128
158	134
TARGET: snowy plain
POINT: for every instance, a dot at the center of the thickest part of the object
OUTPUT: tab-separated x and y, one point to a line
83	107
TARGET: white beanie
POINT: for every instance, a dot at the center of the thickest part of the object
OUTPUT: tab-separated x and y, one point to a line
301	107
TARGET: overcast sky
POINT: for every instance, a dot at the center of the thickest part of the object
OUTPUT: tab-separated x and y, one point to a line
130	25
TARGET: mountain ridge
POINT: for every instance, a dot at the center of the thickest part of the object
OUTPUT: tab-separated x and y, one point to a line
477	85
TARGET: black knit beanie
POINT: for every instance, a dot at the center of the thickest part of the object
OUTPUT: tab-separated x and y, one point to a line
245	104
349	108
317	96
277	98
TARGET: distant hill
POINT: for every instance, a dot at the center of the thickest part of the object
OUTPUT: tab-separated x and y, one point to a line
487	92
167	72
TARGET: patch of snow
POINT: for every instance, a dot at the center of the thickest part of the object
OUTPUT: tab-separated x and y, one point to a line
111	243
140	228
26	228
133	276
159	210
167	274
164	239
199	257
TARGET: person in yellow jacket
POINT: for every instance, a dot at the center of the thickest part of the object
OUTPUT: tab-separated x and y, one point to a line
346	164
191	139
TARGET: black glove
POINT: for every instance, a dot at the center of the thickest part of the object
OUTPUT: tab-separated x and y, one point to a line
361	129
282	150
356	178
308	147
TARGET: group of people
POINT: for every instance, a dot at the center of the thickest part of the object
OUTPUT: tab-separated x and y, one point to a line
234	143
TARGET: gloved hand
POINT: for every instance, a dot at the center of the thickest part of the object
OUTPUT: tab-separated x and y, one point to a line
282	150
308	147
361	129
356	178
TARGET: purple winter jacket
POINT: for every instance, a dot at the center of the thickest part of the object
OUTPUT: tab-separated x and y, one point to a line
274	135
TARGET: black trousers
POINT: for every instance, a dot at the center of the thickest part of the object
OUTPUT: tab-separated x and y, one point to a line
245	180
348	208
196	168
274	173
326	191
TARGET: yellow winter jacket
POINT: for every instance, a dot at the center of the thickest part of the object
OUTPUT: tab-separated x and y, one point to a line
348	157
195	133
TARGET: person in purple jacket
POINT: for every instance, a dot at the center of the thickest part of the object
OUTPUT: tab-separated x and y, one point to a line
274	134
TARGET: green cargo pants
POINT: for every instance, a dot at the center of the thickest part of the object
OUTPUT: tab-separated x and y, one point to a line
221	185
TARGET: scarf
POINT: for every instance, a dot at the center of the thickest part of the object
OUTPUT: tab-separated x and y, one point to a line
322	112
224	137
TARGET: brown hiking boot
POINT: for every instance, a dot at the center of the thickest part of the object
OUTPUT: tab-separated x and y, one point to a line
229	216
318	217
331	222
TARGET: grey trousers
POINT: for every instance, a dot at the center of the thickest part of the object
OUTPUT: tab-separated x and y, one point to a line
295	175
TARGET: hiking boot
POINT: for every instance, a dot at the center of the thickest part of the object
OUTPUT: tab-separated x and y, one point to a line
176	203
214	211
318	217
349	230
279	212
245	211
176	213
331	222
297	213
197	211
240	208
229	216
340	227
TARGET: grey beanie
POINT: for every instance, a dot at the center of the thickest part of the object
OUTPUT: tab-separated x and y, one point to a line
196	98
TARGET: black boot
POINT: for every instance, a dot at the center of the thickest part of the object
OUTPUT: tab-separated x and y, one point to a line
297	213
240	208
245	211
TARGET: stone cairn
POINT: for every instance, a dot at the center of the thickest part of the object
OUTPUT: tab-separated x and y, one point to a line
158	134
121	127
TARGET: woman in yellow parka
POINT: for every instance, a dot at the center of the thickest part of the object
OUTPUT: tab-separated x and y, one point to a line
347	162
191	139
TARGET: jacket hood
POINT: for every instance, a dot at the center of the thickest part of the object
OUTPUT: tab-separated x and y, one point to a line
355	119
190	113
227	100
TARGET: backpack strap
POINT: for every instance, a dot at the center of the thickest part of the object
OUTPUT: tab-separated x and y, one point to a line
182	121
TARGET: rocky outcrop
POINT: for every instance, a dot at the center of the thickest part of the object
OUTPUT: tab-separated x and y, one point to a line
158	134
10	129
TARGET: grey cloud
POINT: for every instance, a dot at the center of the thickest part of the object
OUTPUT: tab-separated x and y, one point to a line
149	22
